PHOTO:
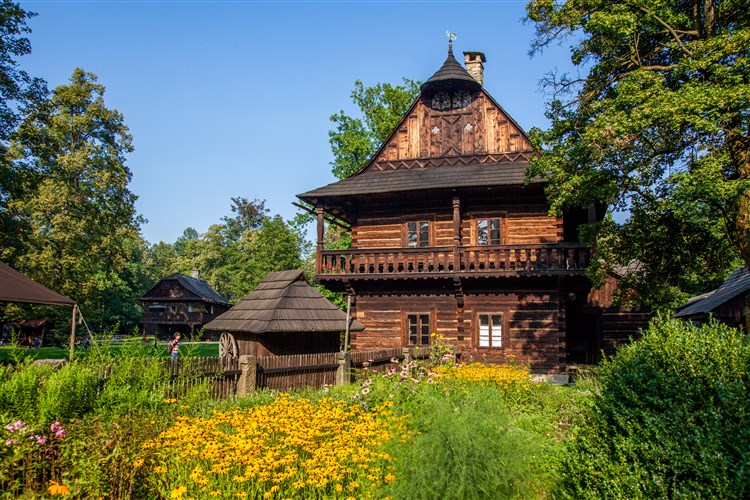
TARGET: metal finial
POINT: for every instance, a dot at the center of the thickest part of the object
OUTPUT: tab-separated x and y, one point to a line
451	36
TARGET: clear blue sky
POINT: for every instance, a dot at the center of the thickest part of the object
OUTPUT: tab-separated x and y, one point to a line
233	98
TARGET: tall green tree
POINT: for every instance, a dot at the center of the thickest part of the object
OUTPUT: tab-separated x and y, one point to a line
18	91
356	139
82	228
657	122
235	255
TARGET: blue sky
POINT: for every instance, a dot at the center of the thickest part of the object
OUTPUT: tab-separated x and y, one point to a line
233	98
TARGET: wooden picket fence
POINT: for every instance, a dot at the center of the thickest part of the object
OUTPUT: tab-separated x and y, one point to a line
229	377
296	371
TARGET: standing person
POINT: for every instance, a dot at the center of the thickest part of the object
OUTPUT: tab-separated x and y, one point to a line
174	347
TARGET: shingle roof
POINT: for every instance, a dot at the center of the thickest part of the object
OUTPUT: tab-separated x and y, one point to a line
451	74
196	286
736	284
283	302
427	178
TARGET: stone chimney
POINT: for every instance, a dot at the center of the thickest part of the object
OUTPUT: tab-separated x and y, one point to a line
474	65
197	275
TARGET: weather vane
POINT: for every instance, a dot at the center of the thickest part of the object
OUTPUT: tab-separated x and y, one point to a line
451	36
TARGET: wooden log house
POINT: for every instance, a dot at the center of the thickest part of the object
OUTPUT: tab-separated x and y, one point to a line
448	237
179	303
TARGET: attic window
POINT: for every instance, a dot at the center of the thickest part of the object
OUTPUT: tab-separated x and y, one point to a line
157	308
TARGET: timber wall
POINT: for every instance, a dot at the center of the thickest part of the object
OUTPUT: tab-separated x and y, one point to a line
531	330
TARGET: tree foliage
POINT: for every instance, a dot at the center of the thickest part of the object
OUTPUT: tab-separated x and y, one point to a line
18	91
232	256
657	123
79	225
355	140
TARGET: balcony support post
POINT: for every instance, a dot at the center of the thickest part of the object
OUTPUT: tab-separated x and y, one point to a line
319	244
456	233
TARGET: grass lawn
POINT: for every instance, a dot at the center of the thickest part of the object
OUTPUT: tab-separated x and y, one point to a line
187	348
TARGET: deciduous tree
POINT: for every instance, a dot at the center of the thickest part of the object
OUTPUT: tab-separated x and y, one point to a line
356	139
656	122
82	225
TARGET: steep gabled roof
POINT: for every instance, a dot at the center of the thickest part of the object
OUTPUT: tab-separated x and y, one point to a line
283	302
195	286
735	285
454	134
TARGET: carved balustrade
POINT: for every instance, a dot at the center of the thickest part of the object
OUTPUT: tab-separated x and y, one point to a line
560	257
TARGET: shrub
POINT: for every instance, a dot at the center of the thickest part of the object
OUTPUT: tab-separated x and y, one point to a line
19	391
68	393
466	447
670	419
134	383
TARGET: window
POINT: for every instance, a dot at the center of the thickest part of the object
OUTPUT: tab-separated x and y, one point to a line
418	326
417	234
488	231
490	330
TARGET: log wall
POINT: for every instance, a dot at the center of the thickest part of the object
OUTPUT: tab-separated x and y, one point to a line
519	226
531	330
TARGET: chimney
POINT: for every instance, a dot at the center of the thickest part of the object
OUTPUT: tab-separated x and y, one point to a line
474	65
197	275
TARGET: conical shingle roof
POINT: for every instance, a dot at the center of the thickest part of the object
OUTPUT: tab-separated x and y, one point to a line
283	302
451	75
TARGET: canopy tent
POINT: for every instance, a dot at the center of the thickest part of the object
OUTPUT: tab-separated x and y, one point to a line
16	287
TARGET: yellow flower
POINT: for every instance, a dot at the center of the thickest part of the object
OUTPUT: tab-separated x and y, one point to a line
137	463
178	492
170	401
159	469
56	488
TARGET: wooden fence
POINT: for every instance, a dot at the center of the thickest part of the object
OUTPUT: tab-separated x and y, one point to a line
228	377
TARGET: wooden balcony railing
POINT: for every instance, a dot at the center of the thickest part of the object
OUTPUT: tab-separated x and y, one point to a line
559	257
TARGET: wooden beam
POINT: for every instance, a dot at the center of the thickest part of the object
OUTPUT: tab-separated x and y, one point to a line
329	218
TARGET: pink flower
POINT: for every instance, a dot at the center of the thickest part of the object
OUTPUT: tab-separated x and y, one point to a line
58	429
11	442
39	439
19	425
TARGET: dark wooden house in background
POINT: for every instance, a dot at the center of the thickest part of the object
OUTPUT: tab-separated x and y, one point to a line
283	315
726	303
179	303
447	237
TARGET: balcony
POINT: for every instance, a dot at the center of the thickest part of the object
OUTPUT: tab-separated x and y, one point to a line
558	258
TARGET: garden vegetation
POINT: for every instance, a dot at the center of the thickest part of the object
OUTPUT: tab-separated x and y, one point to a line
664	418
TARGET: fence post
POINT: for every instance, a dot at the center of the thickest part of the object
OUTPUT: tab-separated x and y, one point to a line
406	351
247	381
344	369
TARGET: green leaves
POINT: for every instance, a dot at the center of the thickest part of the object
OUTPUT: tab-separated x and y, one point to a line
80	229
355	140
657	125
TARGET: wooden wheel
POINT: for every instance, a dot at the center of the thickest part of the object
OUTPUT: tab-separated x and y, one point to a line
228	346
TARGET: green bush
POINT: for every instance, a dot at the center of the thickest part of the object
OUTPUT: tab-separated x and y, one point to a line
135	383
68	393
19	390
670	419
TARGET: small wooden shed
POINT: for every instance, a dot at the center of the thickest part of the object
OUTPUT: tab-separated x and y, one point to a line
726	303
283	315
